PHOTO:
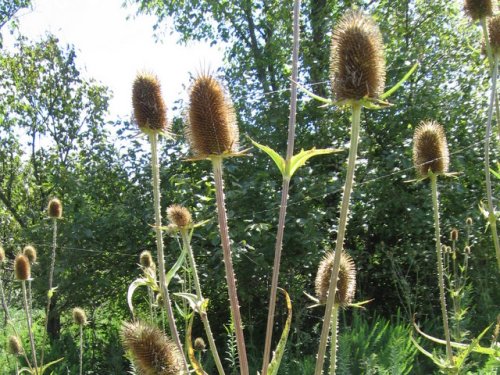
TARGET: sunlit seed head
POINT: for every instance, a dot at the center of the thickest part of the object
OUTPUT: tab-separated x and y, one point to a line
357	64
478	9
467	250
30	253
454	234
15	347
54	208
152	351
149	108
199	344
430	149
179	215
79	316
468	221
212	128
346	284
22	268
494	34
145	259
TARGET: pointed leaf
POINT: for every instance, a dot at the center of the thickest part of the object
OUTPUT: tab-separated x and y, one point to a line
313	95
398	85
303	156
131	289
191	355
175	267
280	162
194	302
273	367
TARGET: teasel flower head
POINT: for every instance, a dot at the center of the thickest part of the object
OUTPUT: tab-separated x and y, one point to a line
478	9
153	353
199	344
212	129
30	253
15	347
346	284
179	215
22	268
145	259
149	108
54	208
454	234
468	221
79	316
494	34
2	254
430	149
357	64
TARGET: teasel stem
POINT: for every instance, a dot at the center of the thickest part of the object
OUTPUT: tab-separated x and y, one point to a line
203	314
228	264
344	210
3	299
81	349
333	340
435	203
153	140
30	327
284	190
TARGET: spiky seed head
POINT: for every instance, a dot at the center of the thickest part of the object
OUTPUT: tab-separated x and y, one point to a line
2	254
478	9
79	316
430	149
22	268
454	234
357	64
494	34
145	259
467	250
30	253
212	128
152	351
55	208
199	344
346	284
15	347
149	108
468	221
179	215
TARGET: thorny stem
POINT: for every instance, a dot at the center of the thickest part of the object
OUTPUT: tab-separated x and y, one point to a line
30	328
3	299
81	349
344	210
284	191
203	314
153	140
228	264
442	298
333	340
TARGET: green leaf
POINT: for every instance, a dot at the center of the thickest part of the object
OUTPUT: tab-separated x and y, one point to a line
51	292
313	95
398	85
303	156
194	302
131	289
191	355
280	162
175	267
273	367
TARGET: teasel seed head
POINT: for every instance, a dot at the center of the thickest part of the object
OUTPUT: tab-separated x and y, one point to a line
15	347
152	351
79	316
494	34
467	250
22	268
30	253
468	221
430	149
55	208
199	344
478	9
145	259
179	215
2	254
346	284
212	128
149	108
454	234
357	64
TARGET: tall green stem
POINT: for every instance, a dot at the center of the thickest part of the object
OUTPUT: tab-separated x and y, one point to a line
153	139
3	299
30	327
442	298
81	349
228	263
344	210
203	314
333	341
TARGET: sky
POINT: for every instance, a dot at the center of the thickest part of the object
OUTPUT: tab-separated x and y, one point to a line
112	49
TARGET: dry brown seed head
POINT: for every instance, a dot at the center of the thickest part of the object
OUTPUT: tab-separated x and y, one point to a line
2	254
152	351
430	149
22	268
477	9
468	221
467	250
179	215
15	347
494	34
212	128
30	253
454	234
149	108
79	316
54	208
145	259
357	64
346	284
199	344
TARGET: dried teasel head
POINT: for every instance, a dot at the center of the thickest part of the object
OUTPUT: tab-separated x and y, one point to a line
149	108
15	347
152	351
179	215
54	208
357	64
454	234
22	268
346	284
494	34
430	149
212	128
30	253
79	316
145	259
478	9
199	344
468	221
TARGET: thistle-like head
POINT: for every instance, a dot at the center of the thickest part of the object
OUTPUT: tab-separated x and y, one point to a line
179	215
199	344
55	208
145	259
357	64
22	268
15	347
152	351
79	316
30	253
150	111
478	9
494	34
346	284
212	128
430	149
